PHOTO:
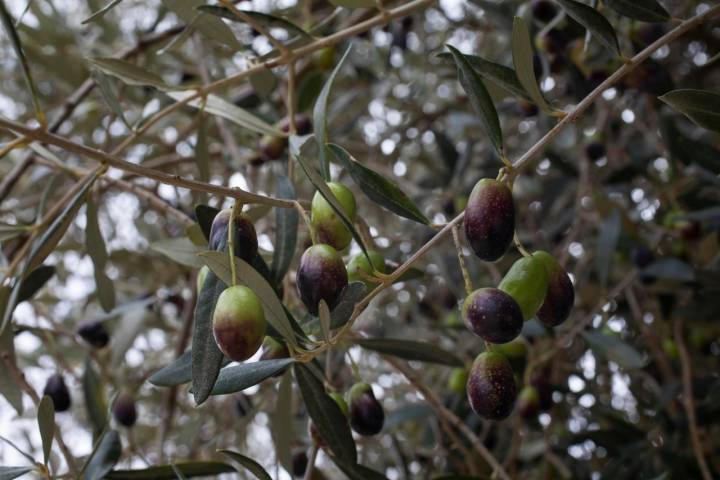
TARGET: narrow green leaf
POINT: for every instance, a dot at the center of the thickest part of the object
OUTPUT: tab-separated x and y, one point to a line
205	215
202	157
34	281
133	323
324	316
208	25
248	464
196	236
479	99
9	26
379	189
11	231
281	422
355	471
523	61
350	296
320	117
95	245
180	250
205	354
101	13
700	106
217	106
329	420
9	387
327	194
219	263
237	378
166	472
263	19
643	10
109	94
104	458
411	350
286	227
95	401
128	72
176	372
9	473
594	21
46	425
609	232
614	349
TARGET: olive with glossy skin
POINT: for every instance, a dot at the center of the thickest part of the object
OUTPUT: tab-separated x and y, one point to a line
321	276
528	404
491	386
124	410
366	413
492	315
359	268
239	323
57	390
490	219
94	333
244	238
327	225
458	380
527	283
560	295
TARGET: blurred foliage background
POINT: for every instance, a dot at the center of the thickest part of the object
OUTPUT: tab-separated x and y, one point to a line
626	197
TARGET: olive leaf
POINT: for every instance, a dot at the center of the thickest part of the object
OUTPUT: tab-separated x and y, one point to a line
205	215
34	281
248	464
609	233
105	456
263	19
237	378
180	250
168	472
286	226
594	21
700	106
614	349
281	422
643	10
177	372
9	388
128	72
209	26
202	157
109	94
410	350
46	425
95	245
479	99
101	13
523	60
9	473
377	188
95	401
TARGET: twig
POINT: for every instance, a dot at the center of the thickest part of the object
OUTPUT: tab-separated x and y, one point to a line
311	462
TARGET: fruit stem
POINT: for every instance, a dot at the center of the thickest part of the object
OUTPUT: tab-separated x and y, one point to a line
461	260
237	206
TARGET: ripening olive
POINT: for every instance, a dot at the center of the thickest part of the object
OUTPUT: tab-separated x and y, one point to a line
490	219
321	276
58	392
366	413
528	404
527	283
124	410
94	333
492	315
328	226
491	387
239	323
244	236
560	294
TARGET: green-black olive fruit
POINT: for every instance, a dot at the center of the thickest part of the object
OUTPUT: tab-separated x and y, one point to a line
490	219
328	226
273	350
340	401
239	323
491	386
58	392
321	276
458	379
272	147
94	333
527	283
560	295
244	237
124	410
359	268
366	413
201	276
528	403
492	315
299	463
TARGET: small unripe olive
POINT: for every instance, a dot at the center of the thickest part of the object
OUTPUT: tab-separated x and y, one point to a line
490	219
239	323
560	295
244	236
58	392
328	226
458	380
492	315
491	387
366	413
124	410
527	283
321	276
94	333
359	268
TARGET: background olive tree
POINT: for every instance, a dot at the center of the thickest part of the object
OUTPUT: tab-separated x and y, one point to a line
126	125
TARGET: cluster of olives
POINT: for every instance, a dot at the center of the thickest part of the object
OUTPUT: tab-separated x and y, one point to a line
536	285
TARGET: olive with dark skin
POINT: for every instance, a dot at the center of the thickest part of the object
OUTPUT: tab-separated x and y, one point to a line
491	387
124	410
94	333
528	404
492	315
490	219
595	151
239	323
321	276
244	236
543	10
299	463
366	413
560	295
57	390
641	256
